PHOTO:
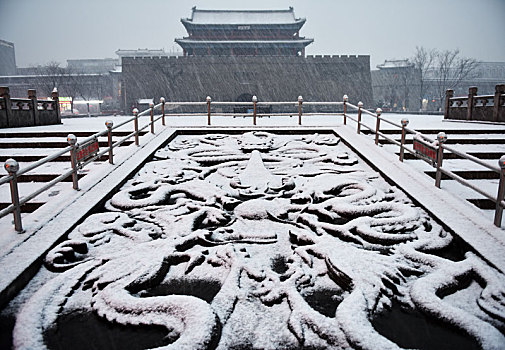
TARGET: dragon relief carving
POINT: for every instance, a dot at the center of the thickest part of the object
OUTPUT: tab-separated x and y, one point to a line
261	241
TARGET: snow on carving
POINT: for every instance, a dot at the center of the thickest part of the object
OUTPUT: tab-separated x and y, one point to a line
262	241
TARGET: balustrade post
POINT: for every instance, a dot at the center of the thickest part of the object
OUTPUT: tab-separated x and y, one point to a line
345	98
5	93
360	106
56	99
300	101
32	95
72	141
151	106
499	90
377	126
472	92
441	138
12	167
109	125
254	100
501	193
162	101
405	122
447	108
209	100
136	125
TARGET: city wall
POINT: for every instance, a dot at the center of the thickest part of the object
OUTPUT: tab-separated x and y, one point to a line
226	78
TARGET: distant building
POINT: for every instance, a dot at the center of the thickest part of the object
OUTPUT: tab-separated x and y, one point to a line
7	58
93	65
243	33
396	86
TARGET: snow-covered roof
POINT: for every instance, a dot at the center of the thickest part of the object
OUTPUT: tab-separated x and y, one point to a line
395	64
249	43
245	17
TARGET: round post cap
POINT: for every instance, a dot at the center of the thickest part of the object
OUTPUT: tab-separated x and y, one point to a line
55	89
109	124
378	111
360	104
300	98
501	162
405	121
162	99
11	166
135	111
441	137
208	99
254	98
345	98
71	139
151	105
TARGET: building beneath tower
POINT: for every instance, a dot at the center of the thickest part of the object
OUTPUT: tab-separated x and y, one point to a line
243	33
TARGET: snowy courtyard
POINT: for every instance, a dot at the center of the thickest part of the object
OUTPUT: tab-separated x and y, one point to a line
261	240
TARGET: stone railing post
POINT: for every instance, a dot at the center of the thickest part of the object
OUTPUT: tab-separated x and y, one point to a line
162	101
32	95
360	106
72	141
151	106
441	138
345	98
472	92
136	125
447	108
209	100
404	122
4	92
109	124
377	126
501	193
254	100
12	167
300	101
55	97
499	90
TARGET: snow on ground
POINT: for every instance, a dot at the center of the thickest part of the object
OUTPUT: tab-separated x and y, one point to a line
260	241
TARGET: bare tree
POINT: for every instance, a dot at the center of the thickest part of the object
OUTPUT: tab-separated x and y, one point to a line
450	70
423	60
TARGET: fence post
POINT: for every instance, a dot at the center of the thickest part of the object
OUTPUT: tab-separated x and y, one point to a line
472	92
345	108
254	100
32	95
405	122
12	168
56	98
136	124
162	101
300	101
447	108
109	125
498	91
501	193
209	100
377	126
441	137
360	105
72	141
5	93
151	106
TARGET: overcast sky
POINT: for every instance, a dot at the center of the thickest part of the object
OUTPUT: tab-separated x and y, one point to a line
57	30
